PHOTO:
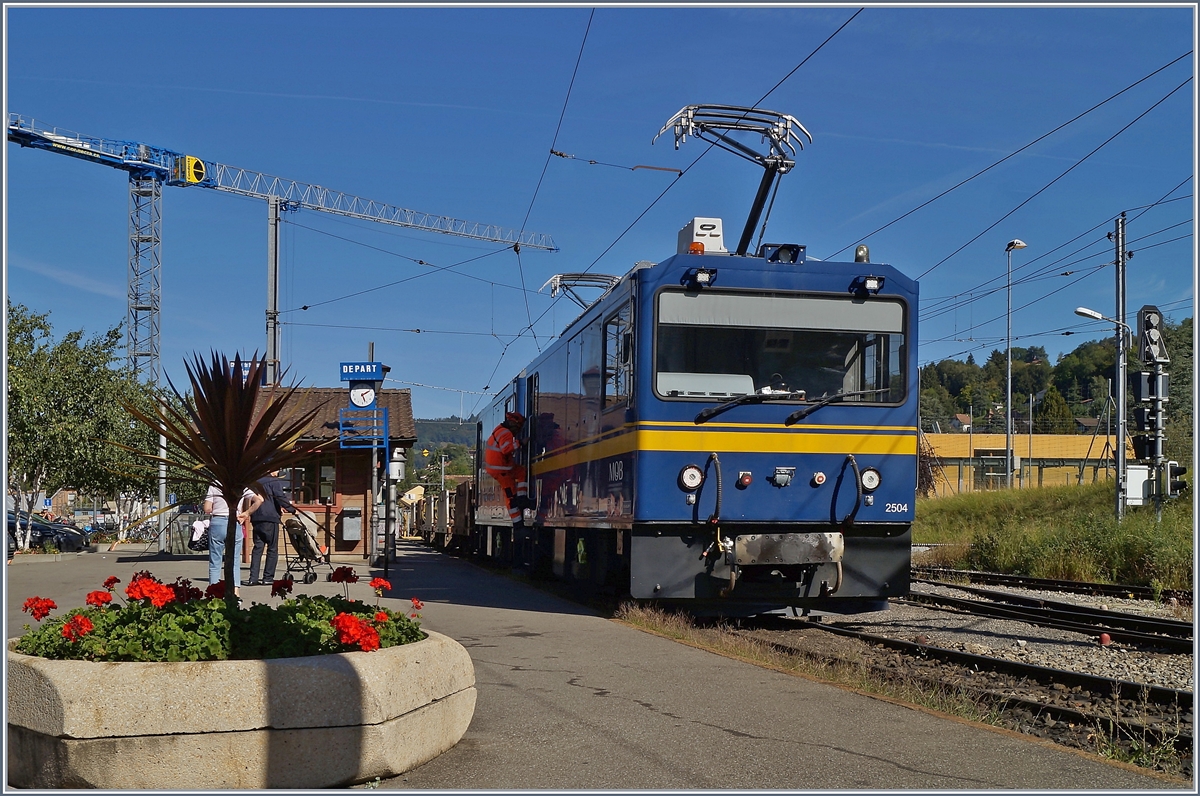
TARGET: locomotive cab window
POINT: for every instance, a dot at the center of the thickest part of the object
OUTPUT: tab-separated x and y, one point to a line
618	357
720	345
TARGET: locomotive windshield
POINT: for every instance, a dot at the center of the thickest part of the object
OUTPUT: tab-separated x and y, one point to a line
720	345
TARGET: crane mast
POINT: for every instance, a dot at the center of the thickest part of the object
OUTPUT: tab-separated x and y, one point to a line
151	167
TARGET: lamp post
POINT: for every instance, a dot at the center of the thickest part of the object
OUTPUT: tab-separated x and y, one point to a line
1008	429
1122	330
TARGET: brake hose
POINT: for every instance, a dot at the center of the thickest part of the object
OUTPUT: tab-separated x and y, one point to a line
715	517
858	493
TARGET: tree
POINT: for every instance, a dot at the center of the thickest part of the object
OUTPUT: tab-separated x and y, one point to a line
1088	366
1180	423
1054	416
62	402
121	469
936	406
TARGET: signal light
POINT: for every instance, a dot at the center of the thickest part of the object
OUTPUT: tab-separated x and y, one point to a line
1148	387
744	479
1173	482
1148	419
1151	346
695	247
1143	447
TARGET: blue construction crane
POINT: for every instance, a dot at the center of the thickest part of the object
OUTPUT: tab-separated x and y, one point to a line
151	167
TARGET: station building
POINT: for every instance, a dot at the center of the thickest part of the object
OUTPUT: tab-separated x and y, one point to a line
335	487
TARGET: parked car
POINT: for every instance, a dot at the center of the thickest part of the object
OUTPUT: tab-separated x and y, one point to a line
42	534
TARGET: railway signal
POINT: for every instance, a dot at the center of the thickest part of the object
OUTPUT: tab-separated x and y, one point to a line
1172	480
1153	387
1151	347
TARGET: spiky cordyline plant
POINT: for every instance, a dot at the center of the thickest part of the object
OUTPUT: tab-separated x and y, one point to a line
232	442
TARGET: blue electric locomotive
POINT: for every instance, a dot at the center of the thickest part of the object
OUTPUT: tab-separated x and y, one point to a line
732	432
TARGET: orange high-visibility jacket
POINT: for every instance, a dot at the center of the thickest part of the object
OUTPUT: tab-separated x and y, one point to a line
498	453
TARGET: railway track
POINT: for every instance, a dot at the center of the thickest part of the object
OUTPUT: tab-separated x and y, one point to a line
948	576
1130	629
1068	707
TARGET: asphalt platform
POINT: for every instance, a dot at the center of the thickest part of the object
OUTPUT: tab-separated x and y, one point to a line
568	700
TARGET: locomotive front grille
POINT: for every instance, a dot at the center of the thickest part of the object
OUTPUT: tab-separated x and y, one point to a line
788	548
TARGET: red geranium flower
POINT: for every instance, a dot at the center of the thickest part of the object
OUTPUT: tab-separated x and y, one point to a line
98	598
382	617
111	581
353	630
344	575
369	642
185	591
379	585
281	587
148	588
77	627
39	607
216	590
417	604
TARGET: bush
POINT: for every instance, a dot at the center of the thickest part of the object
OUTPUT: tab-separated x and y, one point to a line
176	622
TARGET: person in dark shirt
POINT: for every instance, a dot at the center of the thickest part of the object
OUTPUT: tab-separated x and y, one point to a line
265	525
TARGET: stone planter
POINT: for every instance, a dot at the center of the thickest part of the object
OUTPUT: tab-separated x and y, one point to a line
316	722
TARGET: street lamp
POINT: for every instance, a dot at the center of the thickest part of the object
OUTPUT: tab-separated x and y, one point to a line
1008	442
1119	451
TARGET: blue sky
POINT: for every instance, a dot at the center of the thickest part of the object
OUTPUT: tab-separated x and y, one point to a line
453	111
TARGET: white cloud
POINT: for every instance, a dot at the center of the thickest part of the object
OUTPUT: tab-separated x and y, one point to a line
68	277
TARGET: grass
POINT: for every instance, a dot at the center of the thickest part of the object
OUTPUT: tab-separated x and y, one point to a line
1067	532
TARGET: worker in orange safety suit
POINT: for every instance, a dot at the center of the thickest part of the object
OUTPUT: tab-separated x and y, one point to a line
499	460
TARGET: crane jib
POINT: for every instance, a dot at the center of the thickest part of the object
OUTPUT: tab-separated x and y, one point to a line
181	170
149	168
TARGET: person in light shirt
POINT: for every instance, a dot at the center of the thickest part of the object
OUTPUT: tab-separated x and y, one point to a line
215	505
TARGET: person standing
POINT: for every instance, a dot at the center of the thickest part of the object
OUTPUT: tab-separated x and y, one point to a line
218	531
265	528
500	462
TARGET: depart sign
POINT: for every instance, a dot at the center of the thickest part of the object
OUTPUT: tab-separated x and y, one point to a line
362	371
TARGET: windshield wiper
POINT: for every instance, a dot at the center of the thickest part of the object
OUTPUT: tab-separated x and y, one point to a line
748	398
800	414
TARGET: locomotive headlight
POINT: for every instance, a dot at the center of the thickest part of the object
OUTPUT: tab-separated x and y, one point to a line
870	479
690	478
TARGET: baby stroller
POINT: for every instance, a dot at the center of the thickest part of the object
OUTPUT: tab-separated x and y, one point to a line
308	552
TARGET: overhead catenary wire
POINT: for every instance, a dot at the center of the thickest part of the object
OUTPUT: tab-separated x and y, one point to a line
1010	155
1073	282
1042	274
537	188
932	302
397	329
675	181
1086	327
1081	327
942	305
936	302
1045	187
434	269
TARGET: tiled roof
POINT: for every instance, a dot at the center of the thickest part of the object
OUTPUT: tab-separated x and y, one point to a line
331	399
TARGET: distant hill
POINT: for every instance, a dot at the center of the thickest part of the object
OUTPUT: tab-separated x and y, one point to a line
446	431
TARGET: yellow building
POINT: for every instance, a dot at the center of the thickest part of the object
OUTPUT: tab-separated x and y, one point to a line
968	462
